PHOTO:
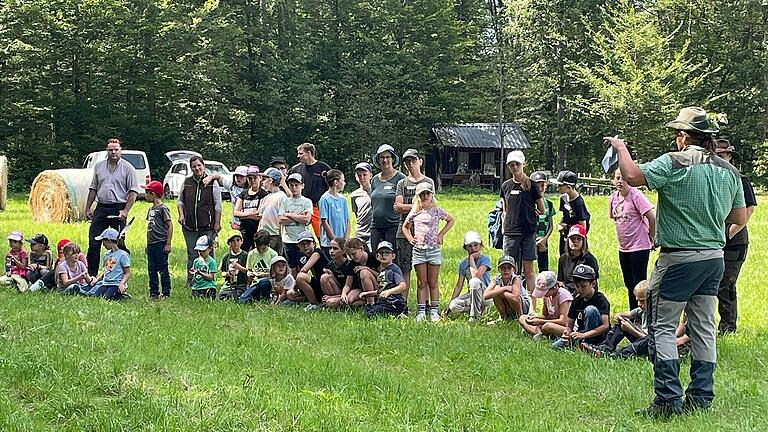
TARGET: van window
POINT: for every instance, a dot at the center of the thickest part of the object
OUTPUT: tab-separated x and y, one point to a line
215	168
137	160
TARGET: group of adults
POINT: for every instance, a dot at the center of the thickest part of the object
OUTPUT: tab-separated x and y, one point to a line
699	193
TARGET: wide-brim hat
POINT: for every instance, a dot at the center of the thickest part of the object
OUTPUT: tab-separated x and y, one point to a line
725	146
694	119
383	149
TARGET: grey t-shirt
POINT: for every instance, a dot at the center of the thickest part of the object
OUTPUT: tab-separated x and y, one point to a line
383	201
407	189
113	185
157	224
361	207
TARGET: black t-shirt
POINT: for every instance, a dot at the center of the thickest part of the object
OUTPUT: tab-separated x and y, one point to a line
251	202
371	263
598	300
320	265
520	217
574	211
567	263
742	237
314	183
339	272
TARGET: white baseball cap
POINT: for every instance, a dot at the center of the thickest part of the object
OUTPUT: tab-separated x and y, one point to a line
515	156
472	237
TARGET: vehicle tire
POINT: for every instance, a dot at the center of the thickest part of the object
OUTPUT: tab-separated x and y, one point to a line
167	192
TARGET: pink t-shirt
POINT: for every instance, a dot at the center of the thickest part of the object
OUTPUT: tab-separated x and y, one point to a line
64	268
425	226
631	227
21	256
551	309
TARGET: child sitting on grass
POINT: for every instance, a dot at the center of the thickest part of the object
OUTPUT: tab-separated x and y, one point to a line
312	259
588	315
577	252
40	261
233	268
554	313
112	283
16	262
159	239
363	268
258	261
388	294
335	276
506	291
475	270
280	278
72	273
203	270
630	325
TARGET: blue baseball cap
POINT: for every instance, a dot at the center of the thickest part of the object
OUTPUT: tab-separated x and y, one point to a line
304	236
108	234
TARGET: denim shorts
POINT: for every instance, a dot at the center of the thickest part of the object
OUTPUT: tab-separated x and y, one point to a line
427	256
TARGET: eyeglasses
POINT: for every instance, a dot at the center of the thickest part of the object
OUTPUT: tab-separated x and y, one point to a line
334	248
384	253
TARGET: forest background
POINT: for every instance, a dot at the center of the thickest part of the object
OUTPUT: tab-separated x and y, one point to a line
245	80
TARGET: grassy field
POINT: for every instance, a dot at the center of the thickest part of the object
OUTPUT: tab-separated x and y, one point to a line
71	363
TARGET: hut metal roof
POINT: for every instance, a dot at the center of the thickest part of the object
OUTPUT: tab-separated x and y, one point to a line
480	136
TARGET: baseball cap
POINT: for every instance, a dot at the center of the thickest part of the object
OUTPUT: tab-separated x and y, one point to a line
234	234
241	170
423	187
16	235
515	156
578	230
276	259
385	245
155	187
506	259
364	166
60	245
278	159
567	178
472	237
583	271
108	234
295	177
544	282
386	148
273	173
38	239
202	243
411	153
253	170
305	236
538	176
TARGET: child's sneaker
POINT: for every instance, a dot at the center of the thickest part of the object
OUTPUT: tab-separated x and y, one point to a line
434	315
421	316
311	307
591	350
37	286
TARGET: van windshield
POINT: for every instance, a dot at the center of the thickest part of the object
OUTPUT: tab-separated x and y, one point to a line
136	160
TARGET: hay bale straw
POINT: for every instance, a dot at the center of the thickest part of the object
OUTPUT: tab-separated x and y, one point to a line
3	182
59	195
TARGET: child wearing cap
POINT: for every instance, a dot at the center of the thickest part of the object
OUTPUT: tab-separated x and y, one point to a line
577	253
234	269
258	264
554	313
334	213
475	270
506	291
112	283
315	260
364	270
280	278
16	262
294	215
247	207
270	208
588	315
239	183
203	270
159	240
426	240
40	261
360	201
571	205
390	287
544	225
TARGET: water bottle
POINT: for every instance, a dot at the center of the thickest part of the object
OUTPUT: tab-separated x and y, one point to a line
8	264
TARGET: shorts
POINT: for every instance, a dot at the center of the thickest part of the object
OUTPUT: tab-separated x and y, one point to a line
432	256
316	288
292	254
404	257
520	247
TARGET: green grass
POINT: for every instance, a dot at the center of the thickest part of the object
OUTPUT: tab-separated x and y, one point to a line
70	363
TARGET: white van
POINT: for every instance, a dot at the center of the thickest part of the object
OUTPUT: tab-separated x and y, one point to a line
135	157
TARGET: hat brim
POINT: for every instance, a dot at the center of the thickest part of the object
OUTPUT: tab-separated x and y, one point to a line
201	248
685	126
539	293
15	238
583	278
395	158
506	262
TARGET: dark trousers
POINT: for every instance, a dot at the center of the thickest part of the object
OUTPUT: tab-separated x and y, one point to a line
542	260
109	292
99	223
726	293
638	346
634	268
380	234
157	263
387	306
261	290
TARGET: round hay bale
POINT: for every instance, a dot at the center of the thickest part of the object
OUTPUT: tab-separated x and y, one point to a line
3	182
59	195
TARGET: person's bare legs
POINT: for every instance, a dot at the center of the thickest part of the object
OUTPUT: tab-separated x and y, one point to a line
368	282
302	283
422	289
515	303
433	273
553	329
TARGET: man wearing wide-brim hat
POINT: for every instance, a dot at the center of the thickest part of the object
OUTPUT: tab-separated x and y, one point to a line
698	193
735	249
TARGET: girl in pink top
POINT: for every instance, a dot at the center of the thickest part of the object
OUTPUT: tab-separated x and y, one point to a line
554	313
426	240
635	223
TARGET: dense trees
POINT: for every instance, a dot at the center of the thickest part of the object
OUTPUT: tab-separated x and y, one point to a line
248	79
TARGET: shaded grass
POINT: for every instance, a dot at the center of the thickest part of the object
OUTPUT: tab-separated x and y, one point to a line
85	364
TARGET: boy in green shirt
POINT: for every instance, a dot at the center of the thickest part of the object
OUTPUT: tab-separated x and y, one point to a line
203	270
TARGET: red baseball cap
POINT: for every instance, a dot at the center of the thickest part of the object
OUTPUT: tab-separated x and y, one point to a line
578	230
155	187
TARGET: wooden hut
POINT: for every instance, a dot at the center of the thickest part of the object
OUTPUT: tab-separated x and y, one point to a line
470	154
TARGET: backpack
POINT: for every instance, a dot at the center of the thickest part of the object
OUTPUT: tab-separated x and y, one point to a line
495	237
